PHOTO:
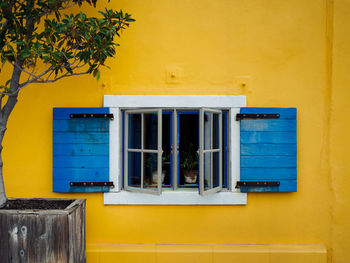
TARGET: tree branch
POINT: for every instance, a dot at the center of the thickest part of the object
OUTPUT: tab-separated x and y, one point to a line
50	12
67	74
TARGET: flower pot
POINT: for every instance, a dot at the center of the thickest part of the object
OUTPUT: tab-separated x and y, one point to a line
43	230
190	176
155	177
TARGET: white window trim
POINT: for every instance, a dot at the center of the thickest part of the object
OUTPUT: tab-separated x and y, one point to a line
121	197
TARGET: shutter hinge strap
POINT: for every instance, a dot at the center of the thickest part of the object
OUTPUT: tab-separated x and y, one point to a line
257	183
93	184
240	116
92	116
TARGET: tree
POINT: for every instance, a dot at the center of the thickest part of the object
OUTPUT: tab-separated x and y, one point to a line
42	44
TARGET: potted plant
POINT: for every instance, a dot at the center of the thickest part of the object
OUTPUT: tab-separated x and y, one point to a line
189	163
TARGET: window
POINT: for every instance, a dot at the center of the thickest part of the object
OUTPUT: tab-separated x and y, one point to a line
154	141
174	150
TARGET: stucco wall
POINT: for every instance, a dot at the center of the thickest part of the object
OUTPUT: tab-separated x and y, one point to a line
339	143
277	53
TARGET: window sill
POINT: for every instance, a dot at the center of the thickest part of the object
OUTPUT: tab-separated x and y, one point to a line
174	198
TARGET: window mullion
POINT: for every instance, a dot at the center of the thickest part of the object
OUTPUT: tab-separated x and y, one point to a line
201	154
174	150
221	150
126	153
211	185
160	151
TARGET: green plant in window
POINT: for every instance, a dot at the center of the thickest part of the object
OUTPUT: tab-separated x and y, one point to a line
166	158
189	163
189	157
151	161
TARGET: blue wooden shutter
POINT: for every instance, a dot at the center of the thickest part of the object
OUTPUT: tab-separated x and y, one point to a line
268	150
80	150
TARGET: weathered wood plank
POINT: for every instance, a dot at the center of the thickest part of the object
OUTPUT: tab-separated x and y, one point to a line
268	161
281	149
81	174
76	149
81	161
78	125
80	137
268	137
268	173
273	125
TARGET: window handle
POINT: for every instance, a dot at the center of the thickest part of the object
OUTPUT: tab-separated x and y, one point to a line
172	149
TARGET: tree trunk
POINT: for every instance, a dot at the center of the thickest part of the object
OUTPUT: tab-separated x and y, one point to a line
3	197
10	104
4	116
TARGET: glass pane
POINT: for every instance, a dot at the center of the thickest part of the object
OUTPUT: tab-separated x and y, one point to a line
188	141
207	165
150	131
224	149
134	169
207	130
134	131
188	164
216	169
150	176
166	145
216	131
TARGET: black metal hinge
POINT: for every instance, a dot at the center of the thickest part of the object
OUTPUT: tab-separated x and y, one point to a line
92	116
89	184
241	116
260	184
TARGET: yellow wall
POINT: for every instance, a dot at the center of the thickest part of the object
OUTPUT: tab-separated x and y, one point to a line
292	53
339	143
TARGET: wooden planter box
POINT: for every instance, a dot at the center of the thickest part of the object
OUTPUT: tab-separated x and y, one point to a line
43	230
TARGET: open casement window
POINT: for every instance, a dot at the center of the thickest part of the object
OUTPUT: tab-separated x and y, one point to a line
143	151
210	151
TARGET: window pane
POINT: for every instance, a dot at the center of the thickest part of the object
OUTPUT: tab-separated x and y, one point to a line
188	141
224	149
134	131
150	131
207	130
216	131
211	170
216	169
150	178
207	165
166	145
134	169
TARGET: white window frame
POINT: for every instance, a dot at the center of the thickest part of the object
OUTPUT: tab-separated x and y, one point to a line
158	151
210	150
118	196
